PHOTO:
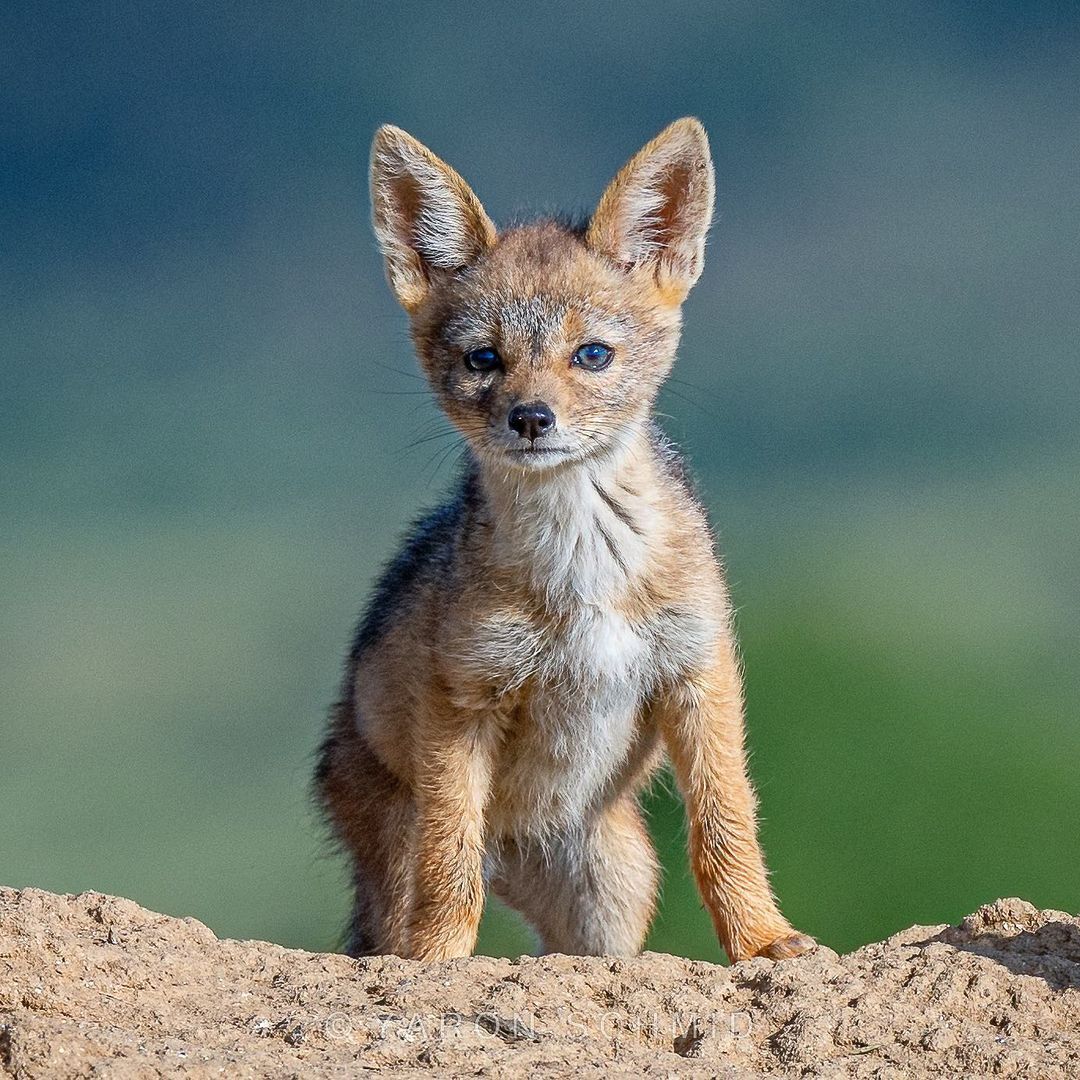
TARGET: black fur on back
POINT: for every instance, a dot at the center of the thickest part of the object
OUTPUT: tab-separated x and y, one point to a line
426	552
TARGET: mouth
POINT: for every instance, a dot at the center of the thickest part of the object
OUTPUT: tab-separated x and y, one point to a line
537	454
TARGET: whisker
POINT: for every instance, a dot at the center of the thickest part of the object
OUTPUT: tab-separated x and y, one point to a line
430	438
687	383
462	451
399	393
683	397
398	371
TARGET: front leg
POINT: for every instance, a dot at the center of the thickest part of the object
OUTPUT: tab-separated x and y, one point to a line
701	718
453	780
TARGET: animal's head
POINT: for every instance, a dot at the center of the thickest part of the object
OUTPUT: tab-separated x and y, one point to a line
544	344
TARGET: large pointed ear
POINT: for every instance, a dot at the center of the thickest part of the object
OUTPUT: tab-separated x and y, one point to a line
426	218
656	212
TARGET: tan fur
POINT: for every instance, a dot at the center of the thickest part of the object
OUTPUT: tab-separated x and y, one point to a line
548	634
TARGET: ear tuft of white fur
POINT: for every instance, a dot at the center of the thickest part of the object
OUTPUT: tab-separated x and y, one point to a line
657	210
426	218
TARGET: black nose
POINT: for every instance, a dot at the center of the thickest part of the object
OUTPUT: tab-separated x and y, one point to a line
532	420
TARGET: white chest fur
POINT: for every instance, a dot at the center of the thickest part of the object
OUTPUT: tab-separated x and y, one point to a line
579	537
578	727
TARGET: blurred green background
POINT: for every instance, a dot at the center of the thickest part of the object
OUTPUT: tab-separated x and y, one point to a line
207	399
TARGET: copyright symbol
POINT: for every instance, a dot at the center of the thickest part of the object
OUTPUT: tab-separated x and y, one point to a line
337	1026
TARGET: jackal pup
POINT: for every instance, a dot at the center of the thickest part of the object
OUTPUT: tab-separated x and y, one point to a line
544	635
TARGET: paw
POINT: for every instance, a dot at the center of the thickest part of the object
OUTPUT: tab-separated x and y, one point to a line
787	945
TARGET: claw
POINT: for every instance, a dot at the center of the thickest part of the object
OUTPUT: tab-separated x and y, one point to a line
788	945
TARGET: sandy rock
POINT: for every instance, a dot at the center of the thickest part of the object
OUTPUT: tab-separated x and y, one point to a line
96	985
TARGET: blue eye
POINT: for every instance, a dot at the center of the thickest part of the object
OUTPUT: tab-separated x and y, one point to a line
482	360
593	357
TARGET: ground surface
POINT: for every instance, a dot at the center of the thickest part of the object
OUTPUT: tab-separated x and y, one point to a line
95	985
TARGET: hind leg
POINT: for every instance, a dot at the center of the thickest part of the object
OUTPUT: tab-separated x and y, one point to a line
589	891
371	813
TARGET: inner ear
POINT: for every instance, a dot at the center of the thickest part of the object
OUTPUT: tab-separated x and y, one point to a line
404	195
674	193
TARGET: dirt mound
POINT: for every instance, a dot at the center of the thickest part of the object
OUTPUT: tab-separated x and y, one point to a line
96	985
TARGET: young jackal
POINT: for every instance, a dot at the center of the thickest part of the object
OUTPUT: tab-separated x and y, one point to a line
542	637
